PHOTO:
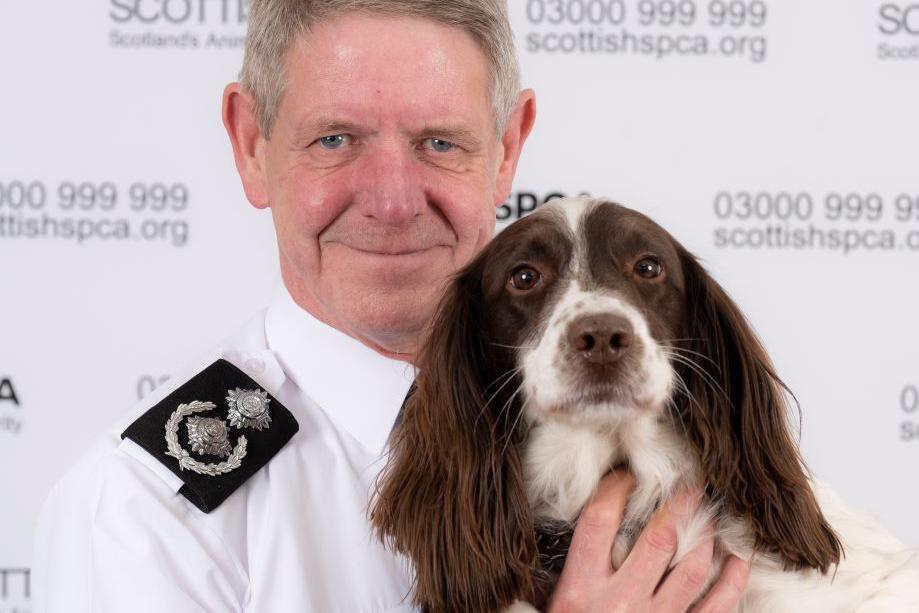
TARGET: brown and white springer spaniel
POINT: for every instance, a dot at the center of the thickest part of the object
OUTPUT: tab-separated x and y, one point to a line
586	337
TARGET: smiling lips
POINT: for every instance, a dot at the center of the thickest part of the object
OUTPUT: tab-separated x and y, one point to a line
410	241
392	251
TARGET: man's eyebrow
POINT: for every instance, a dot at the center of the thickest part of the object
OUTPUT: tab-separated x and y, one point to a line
314	127
318	126
463	136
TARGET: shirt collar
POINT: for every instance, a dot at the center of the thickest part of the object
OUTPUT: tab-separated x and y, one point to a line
360	390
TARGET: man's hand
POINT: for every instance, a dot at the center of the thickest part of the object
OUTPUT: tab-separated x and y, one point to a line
589	583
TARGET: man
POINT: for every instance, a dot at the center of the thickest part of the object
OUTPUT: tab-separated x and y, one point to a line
382	134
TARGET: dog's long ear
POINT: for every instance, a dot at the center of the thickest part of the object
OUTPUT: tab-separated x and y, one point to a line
451	496
736	414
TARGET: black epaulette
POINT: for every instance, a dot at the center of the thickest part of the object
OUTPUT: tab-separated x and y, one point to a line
214	432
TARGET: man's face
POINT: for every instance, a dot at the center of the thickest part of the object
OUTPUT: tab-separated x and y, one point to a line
383	171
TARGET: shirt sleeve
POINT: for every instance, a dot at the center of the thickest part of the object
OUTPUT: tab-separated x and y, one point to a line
115	536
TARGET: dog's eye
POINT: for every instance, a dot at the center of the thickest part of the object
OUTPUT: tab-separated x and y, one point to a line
648	268
525	278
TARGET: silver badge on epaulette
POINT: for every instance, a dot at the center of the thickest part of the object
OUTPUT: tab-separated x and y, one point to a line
208	435
186	462
248	408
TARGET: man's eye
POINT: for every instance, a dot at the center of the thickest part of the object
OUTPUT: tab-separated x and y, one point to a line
439	145
335	141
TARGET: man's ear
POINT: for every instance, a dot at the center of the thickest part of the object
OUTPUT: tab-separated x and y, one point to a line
515	134
242	125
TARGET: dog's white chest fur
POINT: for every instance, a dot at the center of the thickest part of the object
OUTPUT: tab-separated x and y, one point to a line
564	463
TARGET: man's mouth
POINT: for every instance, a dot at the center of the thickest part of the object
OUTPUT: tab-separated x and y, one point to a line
392	252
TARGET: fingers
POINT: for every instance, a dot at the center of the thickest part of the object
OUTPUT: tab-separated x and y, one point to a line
651	555
588	580
687	579
589	553
725	595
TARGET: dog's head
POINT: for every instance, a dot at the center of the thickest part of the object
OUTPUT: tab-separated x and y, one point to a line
588	313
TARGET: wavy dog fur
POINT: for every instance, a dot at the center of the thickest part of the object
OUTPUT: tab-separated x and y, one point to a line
452	497
739	429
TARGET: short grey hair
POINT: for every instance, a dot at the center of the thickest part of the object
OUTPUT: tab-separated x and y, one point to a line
275	24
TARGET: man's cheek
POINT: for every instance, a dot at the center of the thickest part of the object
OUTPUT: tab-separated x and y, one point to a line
466	205
316	206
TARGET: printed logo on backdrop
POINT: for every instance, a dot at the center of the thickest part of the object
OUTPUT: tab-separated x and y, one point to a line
898	26
522	203
654	29
846	223
12	415
15	590
82	212
147	383
178	24
909	405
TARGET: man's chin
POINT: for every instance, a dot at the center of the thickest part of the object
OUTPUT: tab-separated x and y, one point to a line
389	318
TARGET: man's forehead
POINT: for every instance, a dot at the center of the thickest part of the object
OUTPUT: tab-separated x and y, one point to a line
387	48
358	68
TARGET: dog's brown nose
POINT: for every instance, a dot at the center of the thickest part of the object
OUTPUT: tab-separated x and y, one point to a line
601	338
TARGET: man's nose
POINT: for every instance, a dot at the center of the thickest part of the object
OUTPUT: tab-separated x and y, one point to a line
389	185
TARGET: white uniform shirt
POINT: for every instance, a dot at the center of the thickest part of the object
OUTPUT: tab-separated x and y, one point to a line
115	535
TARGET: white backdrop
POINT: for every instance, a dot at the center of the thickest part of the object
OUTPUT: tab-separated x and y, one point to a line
778	139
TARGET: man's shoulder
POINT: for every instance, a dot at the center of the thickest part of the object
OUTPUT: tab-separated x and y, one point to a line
175	440
241	347
212	433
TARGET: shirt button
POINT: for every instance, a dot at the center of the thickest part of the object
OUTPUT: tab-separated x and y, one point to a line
255	365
